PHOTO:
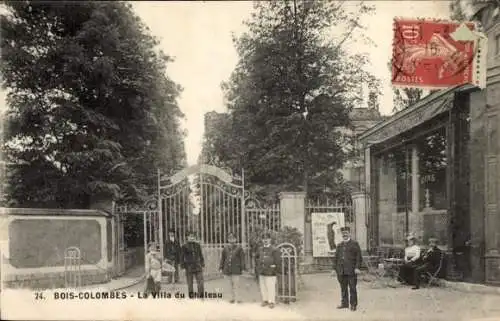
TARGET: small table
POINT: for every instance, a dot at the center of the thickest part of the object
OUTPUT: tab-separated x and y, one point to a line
393	264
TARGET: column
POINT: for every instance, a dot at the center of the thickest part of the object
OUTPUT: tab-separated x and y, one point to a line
367	163
292	212
387	204
414	217
105	203
360	212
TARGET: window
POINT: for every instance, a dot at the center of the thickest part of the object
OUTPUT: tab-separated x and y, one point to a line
394	195
432	170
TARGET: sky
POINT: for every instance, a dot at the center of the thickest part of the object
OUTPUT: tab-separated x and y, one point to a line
199	37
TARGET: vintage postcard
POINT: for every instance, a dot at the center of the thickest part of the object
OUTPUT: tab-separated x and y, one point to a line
250	160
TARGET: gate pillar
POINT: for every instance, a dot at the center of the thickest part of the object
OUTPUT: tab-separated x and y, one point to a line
292	211
359	201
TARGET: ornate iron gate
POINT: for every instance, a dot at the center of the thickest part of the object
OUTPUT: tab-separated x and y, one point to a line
149	214
208	201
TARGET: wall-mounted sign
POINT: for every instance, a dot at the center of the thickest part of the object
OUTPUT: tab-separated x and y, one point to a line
326	232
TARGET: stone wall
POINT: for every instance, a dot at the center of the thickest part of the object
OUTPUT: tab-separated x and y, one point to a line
34	249
35	243
52	280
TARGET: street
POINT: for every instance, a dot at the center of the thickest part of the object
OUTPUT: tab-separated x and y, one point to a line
319	296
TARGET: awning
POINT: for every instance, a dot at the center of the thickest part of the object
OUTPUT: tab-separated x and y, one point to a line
407	120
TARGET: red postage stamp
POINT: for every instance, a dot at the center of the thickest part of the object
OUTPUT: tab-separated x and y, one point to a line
433	54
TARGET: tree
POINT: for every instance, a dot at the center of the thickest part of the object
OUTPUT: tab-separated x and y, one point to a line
289	95
457	11
90	109
406	97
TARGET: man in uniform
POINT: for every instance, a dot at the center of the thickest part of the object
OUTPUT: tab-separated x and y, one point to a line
268	266
173	253
430	262
193	262
347	266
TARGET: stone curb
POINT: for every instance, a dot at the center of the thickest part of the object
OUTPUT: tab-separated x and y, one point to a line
129	284
458	286
471	287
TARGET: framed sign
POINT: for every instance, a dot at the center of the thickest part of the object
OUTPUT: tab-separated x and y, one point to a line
326	232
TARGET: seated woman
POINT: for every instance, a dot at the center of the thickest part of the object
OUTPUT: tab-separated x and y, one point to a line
412	257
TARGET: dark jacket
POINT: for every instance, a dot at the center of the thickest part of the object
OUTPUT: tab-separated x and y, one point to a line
432	259
268	261
232	261
192	257
173	251
347	258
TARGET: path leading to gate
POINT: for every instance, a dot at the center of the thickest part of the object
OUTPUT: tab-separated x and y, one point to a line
320	295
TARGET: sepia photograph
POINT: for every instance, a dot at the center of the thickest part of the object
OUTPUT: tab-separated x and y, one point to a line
250	160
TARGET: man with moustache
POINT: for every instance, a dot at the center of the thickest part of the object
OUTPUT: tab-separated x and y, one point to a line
193	262
268	260
232	265
348	260
429	263
173	253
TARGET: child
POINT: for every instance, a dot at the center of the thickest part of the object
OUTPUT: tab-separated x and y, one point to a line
153	269
232	264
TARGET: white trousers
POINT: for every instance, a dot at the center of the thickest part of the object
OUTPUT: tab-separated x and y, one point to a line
234	283
156	274
267	286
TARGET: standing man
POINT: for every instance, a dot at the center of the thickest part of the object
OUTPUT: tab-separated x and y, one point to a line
347	266
232	265
268	266
173	253
193	262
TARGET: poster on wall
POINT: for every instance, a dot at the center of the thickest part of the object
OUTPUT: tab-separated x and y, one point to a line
326	232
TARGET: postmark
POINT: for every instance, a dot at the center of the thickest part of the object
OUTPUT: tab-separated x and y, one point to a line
435	53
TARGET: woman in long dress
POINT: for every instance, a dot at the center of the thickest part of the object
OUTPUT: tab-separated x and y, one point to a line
412	257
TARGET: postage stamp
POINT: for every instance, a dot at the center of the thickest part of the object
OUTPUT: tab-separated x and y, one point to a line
436	53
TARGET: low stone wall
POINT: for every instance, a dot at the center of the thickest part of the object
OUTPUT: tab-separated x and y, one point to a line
51	280
318	265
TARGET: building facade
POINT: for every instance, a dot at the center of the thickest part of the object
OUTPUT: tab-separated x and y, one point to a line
433	169
361	119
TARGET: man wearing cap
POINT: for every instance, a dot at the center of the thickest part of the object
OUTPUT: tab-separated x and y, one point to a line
268	260
429	263
193	262
348	260
232	264
173	253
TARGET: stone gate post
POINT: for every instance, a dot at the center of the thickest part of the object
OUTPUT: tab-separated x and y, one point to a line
292	211
359	202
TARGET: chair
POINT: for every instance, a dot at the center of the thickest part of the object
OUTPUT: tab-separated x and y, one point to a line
434	278
376	267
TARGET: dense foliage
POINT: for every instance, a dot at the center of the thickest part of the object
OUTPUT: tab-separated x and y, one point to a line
90	108
289	96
